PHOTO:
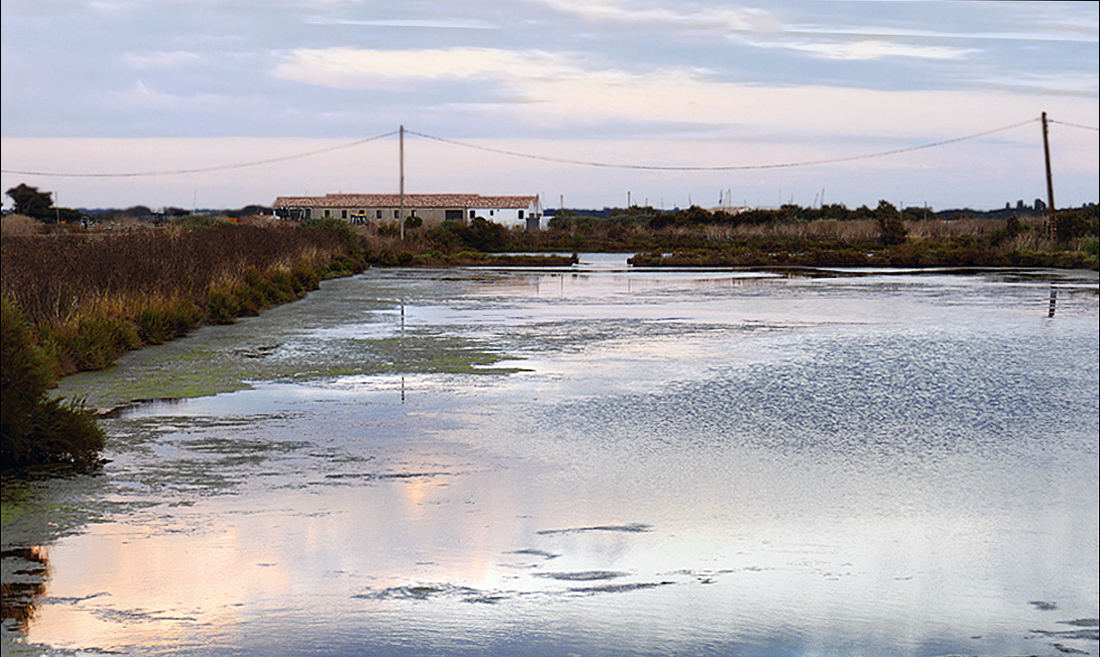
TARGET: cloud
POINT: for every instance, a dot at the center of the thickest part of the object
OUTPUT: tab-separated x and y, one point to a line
1085	85
754	20
1037	34
142	96
440	23
1035	21
353	68
160	60
556	90
110	6
867	49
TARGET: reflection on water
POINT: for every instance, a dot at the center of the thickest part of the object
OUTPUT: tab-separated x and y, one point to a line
600	462
25	572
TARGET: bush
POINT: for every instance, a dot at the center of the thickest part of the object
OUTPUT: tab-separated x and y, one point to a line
38	429
100	340
158	324
1078	223
890	224
200	221
224	307
306	277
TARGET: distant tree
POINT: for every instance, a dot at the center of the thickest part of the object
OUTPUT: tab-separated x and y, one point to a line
487	235
835	211
1074	223
890	224
31	202
249	211
791	212
696	215
562	220
136	211
757	217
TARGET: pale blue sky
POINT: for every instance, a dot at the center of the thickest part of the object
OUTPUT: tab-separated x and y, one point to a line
135	85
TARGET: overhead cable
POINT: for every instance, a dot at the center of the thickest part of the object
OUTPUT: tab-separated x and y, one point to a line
224	167
1075	125
734	167
544	158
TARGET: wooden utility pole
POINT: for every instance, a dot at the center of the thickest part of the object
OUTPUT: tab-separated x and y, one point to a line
401	163
1053	223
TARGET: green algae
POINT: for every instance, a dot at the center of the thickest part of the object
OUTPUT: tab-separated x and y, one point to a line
219	360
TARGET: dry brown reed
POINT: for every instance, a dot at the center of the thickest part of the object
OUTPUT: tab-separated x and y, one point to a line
17	224
57	277
93	296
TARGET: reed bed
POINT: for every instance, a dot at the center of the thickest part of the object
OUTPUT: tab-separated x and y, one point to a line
93	296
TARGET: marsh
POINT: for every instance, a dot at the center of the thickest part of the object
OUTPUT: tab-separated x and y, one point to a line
597	461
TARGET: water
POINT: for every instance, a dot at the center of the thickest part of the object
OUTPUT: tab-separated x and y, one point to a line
599	461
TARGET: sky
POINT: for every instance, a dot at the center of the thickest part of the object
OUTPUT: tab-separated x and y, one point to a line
178	91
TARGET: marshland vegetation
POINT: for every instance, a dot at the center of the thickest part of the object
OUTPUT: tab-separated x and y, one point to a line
830	235
76	300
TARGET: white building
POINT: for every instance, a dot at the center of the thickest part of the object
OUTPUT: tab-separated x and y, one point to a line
432	209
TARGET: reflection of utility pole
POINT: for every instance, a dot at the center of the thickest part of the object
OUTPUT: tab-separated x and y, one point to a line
1050	182
402	351
401	163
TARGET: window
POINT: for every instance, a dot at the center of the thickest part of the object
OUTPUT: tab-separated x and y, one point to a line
396	214
473	215
343	214
326	214
491	212
519	214
378	214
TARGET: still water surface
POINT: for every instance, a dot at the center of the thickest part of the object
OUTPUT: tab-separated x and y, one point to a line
600	461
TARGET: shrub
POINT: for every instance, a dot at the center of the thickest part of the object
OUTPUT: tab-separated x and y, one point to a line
306	277
36	428
890	224
100	340
224	307
159	323
249	301
151	325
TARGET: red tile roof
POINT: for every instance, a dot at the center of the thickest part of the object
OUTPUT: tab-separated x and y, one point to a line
411	201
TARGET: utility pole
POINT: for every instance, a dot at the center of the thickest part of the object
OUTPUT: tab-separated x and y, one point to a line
401	163
401	202
1050	182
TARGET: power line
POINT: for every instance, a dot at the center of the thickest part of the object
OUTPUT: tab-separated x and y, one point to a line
783	165
1075	125
544	158
225	167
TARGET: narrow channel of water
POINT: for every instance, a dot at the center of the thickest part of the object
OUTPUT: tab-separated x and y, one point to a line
597	461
